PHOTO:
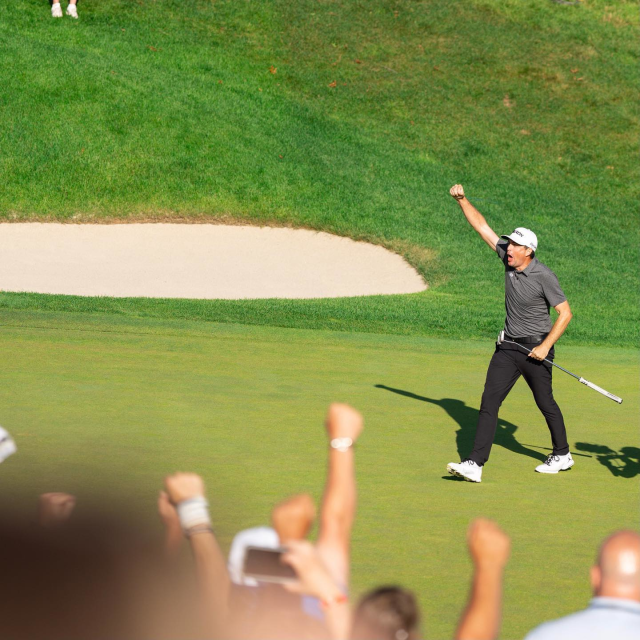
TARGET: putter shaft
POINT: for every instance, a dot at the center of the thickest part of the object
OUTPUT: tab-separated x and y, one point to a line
595	387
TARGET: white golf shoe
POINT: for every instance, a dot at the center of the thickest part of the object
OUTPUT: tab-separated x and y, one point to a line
72	11
466	469
56	10
553	464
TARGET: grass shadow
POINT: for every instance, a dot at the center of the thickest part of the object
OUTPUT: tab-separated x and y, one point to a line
624	463
467	418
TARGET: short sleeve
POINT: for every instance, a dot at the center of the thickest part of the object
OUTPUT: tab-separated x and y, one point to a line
501	249
552	290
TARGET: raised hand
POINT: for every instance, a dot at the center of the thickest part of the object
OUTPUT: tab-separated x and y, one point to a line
488	544
343	421
457	191
183	486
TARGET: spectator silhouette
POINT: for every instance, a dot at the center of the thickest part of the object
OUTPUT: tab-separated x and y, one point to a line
466	417
624	463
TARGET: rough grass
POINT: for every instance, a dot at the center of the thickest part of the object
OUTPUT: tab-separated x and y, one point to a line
350	117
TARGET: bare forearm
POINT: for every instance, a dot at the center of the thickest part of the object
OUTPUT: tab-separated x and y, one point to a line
337	611
338	620
339	501
481	619
172	541
473	216
558	329
477	221
213	579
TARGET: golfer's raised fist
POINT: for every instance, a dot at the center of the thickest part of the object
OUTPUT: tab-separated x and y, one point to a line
183	486
457	191
344	421
488	543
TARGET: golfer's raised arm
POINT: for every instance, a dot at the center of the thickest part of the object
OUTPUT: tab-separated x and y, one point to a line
474	217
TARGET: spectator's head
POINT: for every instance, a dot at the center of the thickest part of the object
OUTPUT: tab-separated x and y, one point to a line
617	573
387	613
292	518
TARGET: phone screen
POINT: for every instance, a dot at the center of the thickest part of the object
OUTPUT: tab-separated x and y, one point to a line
266	565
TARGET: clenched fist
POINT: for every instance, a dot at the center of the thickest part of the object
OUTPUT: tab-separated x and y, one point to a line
183	486
457	191
489	545
344	421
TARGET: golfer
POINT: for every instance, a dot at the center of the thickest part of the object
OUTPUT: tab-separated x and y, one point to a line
531	289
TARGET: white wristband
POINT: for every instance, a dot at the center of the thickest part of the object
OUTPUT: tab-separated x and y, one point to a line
193	512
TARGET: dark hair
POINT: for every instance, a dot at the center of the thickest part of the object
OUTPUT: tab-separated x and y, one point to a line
386	613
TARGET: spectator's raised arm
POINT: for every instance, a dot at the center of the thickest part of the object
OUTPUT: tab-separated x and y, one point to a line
315	580
489	548
186	492
337	513
172	527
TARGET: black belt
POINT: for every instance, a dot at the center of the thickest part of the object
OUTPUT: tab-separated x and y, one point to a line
528	339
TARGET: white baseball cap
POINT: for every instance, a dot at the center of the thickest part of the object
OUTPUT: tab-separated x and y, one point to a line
525	237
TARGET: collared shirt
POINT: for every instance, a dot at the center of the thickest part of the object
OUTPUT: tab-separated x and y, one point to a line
528	295
604	618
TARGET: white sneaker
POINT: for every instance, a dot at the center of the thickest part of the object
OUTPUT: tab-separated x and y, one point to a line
553	464
56	10
72	11
466	469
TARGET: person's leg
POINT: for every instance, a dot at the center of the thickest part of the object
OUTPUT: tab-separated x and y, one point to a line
502	374
71	9
56	9
538	376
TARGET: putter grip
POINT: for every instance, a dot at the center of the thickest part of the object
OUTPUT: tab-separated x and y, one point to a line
595	387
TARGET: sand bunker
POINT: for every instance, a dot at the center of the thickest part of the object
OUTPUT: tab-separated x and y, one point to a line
195	261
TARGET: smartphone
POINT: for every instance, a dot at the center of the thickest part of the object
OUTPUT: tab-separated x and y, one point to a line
266	565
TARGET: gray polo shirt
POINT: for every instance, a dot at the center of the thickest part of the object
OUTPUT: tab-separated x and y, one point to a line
613	618
528	295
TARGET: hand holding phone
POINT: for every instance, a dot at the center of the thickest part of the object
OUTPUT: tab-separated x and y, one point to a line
266	565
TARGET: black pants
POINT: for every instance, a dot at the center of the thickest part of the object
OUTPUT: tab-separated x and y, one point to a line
508	363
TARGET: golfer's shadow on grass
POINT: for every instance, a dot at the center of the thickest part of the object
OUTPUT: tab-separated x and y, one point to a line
623	464
467	418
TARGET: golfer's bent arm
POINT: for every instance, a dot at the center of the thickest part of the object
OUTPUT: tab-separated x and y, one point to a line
474	217
563	319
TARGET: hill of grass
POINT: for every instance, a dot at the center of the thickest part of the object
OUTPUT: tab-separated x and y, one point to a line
352	117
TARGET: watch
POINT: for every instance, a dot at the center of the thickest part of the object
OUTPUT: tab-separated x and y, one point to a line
341	444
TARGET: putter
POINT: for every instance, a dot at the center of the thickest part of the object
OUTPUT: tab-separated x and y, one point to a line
595	387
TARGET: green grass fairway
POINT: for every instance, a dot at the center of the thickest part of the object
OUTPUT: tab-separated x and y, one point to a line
350	116
110	404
